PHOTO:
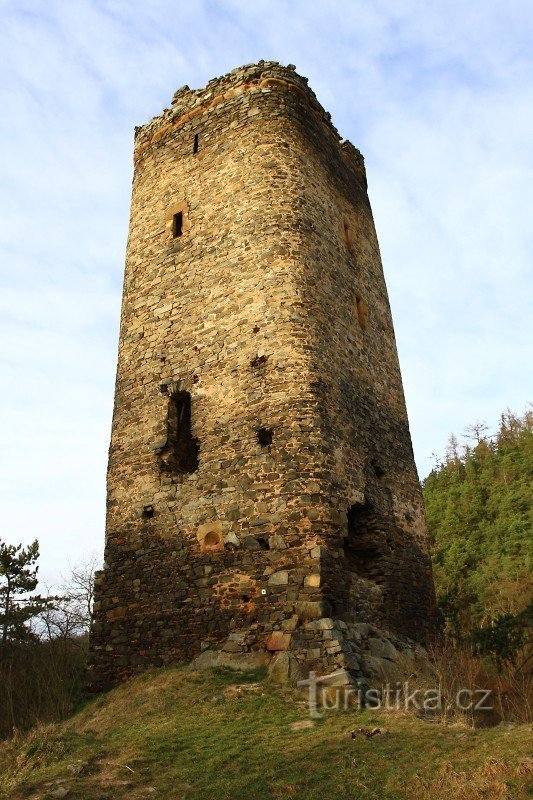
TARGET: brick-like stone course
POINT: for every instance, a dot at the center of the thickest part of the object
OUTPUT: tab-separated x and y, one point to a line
270	314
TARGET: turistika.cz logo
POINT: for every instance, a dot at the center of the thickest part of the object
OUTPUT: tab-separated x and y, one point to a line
326	694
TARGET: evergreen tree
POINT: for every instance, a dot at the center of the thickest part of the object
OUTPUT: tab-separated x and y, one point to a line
18	581
480	519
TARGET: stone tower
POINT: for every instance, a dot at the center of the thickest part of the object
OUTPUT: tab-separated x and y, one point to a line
262	491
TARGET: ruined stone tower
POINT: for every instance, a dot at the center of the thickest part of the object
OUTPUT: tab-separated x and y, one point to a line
262	492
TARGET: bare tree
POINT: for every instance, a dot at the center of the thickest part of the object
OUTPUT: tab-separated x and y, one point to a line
80	586
452	449
70	615
476	432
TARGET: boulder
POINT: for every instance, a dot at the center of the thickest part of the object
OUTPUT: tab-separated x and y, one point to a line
341	677
284	668
380	668
383	648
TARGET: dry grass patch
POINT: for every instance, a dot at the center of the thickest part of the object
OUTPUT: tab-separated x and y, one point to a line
221	735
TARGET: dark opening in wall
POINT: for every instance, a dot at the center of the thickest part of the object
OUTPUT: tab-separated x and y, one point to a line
379	471
195	145
177	225
255	543
148	512
362	546
262	542
213	541
180	453
265	436
258	361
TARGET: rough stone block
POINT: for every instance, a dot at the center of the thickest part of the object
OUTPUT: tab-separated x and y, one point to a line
278	641
279	578
382	648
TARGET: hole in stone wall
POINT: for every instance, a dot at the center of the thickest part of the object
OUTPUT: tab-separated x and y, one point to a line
212	541
262	542
362	545
163	388
362	312
148	512
195	145
380	472
180	453
255	543
255	329
265	436
245	598
177	225
258	361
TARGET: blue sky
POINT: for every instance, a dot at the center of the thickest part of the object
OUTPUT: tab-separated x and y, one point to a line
439	98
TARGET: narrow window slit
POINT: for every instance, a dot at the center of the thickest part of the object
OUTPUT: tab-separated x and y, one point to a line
179	456
195	145
362	312
177	225
348	236
265	436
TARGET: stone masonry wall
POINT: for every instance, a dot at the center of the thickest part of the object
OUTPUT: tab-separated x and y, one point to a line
261	485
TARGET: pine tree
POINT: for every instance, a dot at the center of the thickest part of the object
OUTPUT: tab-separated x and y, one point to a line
479	510
18	581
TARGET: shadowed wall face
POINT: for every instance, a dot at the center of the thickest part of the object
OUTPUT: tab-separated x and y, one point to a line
261	475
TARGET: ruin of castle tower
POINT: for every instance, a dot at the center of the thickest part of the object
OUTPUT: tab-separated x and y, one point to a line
262	491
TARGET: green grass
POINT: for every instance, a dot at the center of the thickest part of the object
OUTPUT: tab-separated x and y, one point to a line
219	735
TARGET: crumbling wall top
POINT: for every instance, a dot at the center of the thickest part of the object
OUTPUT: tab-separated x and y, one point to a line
188	103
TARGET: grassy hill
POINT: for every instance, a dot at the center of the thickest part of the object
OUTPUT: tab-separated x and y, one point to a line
177	734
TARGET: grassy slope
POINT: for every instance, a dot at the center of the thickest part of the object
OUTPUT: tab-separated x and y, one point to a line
175	734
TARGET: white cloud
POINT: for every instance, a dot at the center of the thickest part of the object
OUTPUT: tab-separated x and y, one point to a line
438	98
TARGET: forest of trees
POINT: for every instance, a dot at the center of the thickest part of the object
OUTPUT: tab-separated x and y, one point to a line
480	518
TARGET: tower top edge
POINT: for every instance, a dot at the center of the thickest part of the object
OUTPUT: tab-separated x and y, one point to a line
187	102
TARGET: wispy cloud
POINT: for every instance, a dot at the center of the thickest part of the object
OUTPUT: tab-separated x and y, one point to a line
437	96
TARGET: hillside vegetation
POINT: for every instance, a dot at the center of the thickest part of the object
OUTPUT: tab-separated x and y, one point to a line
216	735
480	518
